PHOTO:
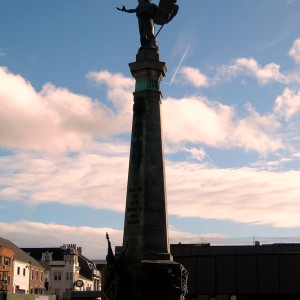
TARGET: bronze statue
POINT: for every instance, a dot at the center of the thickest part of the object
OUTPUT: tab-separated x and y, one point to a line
113	287
149	14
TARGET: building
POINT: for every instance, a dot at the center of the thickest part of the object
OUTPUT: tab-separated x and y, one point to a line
24	274
89	274
6	268
241	272
67	269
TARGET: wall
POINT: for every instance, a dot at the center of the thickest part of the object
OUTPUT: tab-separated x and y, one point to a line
6	269
21	281
29	297
256	274
37	280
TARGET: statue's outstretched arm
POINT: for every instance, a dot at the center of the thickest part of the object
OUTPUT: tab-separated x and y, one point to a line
134	10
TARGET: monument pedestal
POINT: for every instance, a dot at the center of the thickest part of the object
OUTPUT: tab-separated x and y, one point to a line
150	280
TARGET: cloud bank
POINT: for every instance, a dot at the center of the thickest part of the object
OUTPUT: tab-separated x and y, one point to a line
244	195
55	119
92	240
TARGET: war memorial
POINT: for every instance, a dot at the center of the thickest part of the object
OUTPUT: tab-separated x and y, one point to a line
145	269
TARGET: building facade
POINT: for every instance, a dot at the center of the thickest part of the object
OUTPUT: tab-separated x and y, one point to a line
37	279
21	277
66	269
6	268
241	272
24	274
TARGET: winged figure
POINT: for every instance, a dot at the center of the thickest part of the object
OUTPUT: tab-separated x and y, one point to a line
149	14
165	12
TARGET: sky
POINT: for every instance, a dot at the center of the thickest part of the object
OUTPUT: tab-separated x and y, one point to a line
230	110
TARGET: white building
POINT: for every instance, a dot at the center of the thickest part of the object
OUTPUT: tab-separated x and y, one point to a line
27	273
66	269
21	277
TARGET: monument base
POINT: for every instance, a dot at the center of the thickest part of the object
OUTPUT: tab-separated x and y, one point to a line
147	280
163	280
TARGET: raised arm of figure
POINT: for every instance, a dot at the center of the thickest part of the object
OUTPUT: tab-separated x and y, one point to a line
134	10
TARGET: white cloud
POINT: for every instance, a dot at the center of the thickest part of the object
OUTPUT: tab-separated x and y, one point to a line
211	123
198	154
193	76
249	66
241	195
295	51
294	76
288	104
56	119
32	234
114	81
67	180
297	154
273	165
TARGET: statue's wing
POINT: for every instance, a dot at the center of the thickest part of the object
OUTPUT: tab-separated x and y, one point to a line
165	11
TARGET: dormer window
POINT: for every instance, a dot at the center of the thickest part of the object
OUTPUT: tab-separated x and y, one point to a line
47	256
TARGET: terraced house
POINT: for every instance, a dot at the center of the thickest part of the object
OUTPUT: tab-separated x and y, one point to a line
20	273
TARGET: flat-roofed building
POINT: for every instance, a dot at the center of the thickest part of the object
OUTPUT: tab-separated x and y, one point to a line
241	272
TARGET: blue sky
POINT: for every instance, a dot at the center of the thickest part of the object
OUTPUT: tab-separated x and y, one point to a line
231	117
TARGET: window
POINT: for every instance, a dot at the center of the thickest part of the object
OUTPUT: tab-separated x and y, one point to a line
69	275
37	275
18	270
47	256
6	261
41	276
0	259
24	272
5	278
32	274
57	275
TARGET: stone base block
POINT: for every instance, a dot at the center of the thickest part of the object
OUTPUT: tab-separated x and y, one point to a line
148	280
162	280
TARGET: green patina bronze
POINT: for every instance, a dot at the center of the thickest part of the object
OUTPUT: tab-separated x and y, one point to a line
143	84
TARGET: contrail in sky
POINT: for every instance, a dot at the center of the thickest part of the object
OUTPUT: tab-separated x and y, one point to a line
179	65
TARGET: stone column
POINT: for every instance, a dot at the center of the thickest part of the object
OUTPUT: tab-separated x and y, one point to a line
145	270
146	218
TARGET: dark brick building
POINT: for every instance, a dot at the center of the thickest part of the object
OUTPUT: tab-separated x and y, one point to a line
241	272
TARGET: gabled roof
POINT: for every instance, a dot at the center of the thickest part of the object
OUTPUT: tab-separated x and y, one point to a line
86	267
20	254
57	252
